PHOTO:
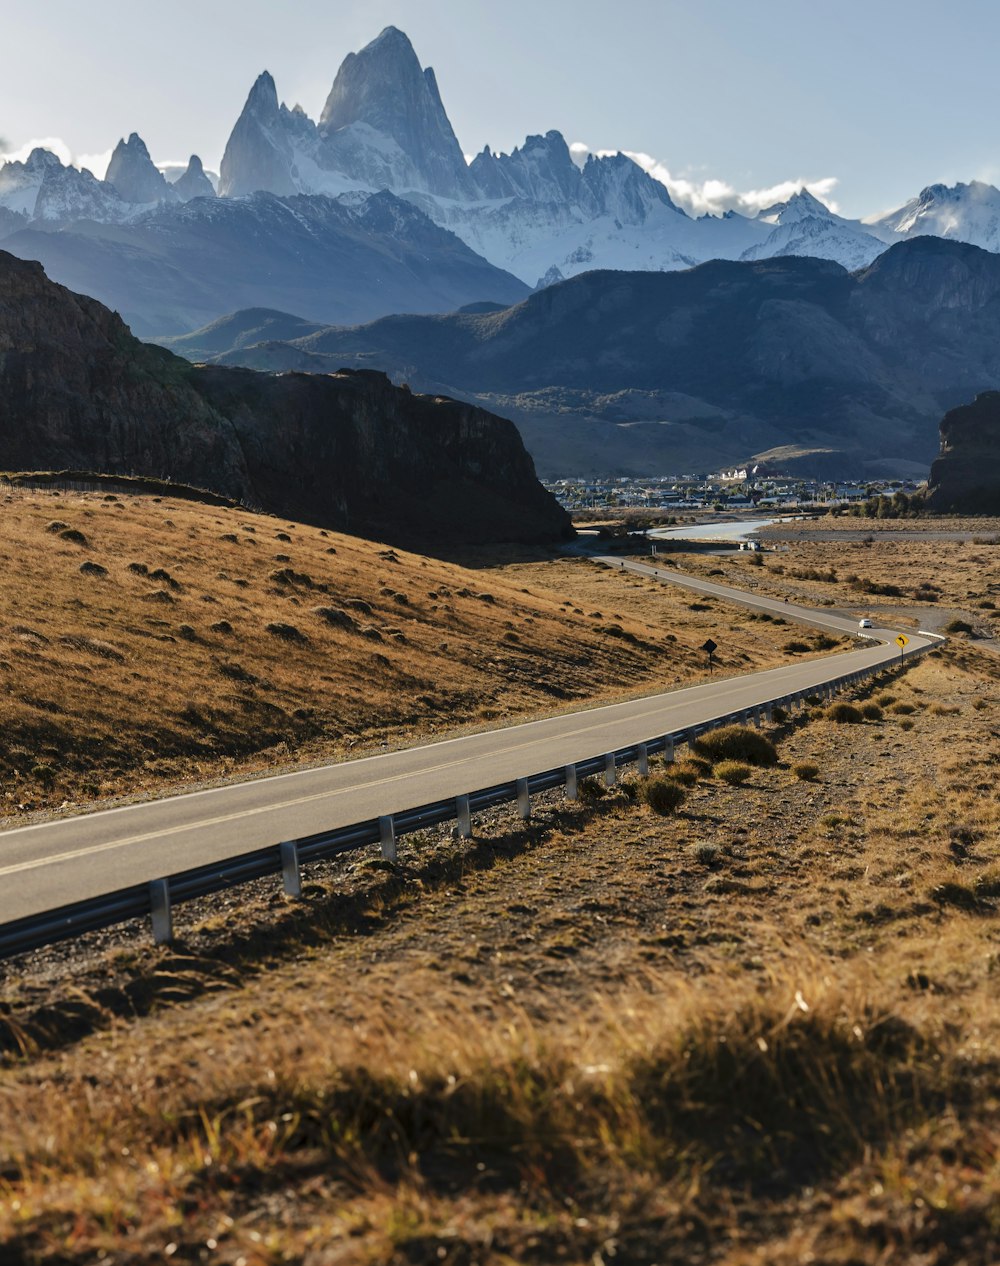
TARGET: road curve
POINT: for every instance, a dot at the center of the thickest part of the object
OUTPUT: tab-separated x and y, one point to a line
52	864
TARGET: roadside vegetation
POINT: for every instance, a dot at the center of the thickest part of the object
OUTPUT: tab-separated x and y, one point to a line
741	1011
149	644
759	1026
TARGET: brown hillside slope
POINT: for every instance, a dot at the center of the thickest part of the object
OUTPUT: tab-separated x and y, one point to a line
146	642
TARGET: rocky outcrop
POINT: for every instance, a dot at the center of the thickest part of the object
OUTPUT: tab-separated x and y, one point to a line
193	183
134	174
346	450
965	479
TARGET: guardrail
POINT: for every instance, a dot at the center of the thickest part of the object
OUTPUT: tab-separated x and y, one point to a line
157	898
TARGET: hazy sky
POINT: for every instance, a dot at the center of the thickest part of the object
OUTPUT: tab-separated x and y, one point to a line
869	100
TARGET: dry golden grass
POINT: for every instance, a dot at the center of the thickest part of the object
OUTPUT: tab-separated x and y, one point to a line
869	575
148	643
763	1030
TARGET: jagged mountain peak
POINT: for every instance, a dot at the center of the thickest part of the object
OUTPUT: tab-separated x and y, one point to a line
262	99
134	174
383	88
194	183
800	205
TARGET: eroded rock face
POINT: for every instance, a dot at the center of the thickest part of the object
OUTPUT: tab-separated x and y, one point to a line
965	479
346	450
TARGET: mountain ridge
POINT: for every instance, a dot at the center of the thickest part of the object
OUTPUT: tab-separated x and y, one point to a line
627	372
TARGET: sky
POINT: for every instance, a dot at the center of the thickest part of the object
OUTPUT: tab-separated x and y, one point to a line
731	103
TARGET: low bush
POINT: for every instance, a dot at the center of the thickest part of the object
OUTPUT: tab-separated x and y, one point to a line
806	771
902	709
885	700
953	626
733	772
871	712
592	789
707	853
906	724
682	774
663	795
737	743
796	648
844	714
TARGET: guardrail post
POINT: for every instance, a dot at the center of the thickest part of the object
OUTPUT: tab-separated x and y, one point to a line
523	798
769	712
159	904
643	759
387	836
570	782
756	717
464	815
610	771
668	748
291	875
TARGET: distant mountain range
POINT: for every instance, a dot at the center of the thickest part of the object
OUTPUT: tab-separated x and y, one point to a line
374	209
796	362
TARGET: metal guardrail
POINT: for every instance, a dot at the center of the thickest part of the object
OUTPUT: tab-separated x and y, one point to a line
157	898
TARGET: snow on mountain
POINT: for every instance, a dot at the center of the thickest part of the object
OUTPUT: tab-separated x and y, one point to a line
804	226
41	188
533	212
968	213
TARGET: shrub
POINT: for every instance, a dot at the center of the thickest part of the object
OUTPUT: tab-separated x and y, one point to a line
953	626
988	883
706	852
796	648
871	712
287	632
739	743
779	715
844	714
221	626
903	709
663	795
733	772
805	771
93	569
886	700
906	724
591	789
73	535
682	774
336	617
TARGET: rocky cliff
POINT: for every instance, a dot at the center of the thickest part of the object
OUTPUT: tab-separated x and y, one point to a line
965	479
346	450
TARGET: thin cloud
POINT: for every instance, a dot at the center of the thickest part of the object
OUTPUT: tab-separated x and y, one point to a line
714	197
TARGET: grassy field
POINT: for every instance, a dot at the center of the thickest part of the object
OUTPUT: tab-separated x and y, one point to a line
759	1026
148	644
867	575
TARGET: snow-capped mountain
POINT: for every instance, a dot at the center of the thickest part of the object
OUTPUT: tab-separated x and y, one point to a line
534	212
41	188
968	213
805	226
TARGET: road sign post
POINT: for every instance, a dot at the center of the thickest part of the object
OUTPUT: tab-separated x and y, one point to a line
710	648
902	642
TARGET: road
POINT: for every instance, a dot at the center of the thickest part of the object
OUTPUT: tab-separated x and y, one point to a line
51	864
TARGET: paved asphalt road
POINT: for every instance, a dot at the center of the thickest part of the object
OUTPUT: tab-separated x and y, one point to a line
52	864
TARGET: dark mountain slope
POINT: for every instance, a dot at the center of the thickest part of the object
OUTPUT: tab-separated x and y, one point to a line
965	479
347	450
180	266
672	371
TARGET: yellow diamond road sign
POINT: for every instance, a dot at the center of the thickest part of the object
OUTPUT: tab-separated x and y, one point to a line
902	641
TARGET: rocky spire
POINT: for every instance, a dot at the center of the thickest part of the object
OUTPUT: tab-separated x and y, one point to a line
384	88
258	155
194	183
134	174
